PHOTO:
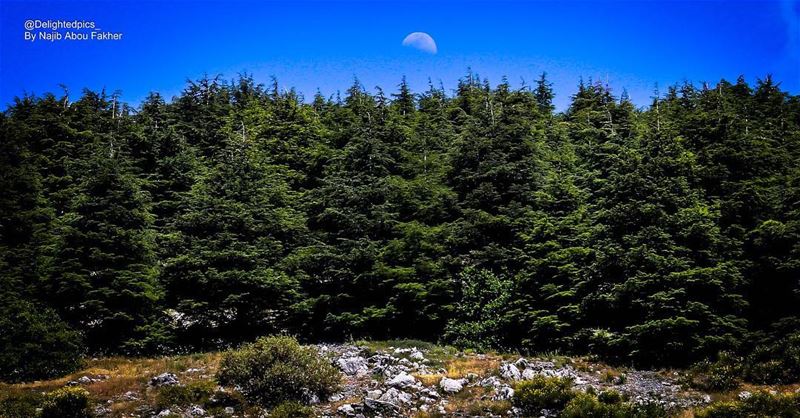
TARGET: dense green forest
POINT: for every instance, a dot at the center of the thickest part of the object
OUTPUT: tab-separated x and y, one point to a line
658	236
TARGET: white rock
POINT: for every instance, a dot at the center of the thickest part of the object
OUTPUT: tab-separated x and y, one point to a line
402	380
521	363
346	409
452	385
196	411
491	381
430	393
528	374
353	365
509	372
395	396
503	392
164	379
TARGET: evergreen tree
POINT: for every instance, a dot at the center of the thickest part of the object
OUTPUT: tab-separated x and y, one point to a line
102	278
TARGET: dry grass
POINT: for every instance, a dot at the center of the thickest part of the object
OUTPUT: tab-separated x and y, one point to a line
429	379
459	367
481	365
124	375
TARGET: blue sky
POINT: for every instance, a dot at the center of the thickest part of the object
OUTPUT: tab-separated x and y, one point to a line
324	44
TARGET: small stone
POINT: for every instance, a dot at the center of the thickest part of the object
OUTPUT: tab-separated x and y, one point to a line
430	393
491	381
346	410
378	405
510	372
353	366
130	396
196	411
402	380
164	379
521	363
395	396
452	385
528	374
503	392
229	410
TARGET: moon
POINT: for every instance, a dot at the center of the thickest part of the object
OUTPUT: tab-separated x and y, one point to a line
421	41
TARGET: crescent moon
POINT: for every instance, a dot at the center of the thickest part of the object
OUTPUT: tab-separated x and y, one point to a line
421	41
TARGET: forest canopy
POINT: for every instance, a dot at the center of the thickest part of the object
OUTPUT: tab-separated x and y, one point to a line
657	236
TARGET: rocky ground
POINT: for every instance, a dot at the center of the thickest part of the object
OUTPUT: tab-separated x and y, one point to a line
380	379
405	381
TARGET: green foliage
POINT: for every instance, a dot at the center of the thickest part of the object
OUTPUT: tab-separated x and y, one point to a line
532	396
277	369
292	409
759	404
21	404
776	360
69	402
197	393
585	405
103	278
658	236
35	343
480	315
723	374
557	396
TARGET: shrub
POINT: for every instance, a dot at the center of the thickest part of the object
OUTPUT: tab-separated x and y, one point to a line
19	404
532	396
480	318
758	405
585	405
292	409
775	362
610	397
197	393
69	402
723	374
35	343
277	369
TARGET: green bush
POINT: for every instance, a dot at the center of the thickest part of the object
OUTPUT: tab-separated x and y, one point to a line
723	374
531	396
607	405
19	404
758	405
775	362
277	369
480	319
35	343
197	393
610	397
68	402
292	409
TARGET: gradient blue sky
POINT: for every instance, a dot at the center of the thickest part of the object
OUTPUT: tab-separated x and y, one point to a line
324	44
